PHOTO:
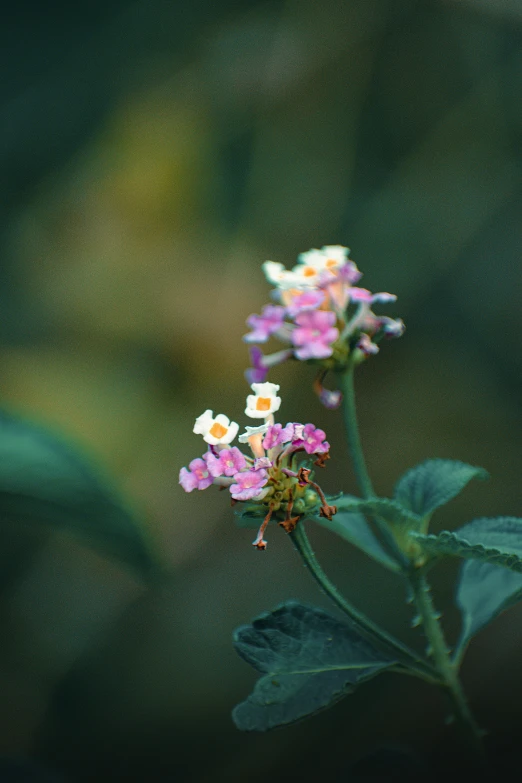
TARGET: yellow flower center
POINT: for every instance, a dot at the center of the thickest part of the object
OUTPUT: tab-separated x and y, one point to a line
217	430
263	403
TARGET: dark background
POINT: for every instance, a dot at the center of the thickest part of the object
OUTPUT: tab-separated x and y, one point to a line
152	156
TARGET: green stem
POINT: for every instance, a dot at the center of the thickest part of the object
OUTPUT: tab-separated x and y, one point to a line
360	469
370	630
354	440
446	668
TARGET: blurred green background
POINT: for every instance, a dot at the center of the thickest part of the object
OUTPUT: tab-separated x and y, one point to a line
152	155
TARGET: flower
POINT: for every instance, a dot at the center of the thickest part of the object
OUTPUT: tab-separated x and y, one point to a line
264	402
277	434
311	439
258	372
315	334
249	484
216	431
297	301
270	320
261	363
227	463
197	477
250	431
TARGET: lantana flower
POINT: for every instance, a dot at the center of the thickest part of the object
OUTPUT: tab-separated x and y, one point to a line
321	317
216	431
269	480
264	402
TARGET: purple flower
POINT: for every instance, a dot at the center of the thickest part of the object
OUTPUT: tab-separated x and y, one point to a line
310	438
277	434
249	484
197	477
227	463
304	301
349	273
270	320
331	399
363	295
261	363
259	371
315	334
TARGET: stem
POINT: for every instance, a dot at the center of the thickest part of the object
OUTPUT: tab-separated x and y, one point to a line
370	630
446	668
354	440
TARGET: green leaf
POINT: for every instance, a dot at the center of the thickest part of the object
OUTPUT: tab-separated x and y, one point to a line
493	540
45	481
309	661
353	527
433	483
483	592
388	510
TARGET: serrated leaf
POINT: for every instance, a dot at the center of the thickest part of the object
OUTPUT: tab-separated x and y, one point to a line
353	527
493	540
309	661
45	481
483	592
433	483
390	511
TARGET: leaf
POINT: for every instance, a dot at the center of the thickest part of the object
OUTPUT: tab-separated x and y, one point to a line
433	483
45	481
483	592
309	660
353	527
388	510
493	540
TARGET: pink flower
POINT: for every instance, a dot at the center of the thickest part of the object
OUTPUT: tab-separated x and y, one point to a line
315	334
197	477
303	301
277	434
249	484
310	438
227	463
270	320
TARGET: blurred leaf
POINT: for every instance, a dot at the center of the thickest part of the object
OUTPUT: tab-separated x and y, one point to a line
43	480
493	540
310	660
353	527
433	483
484	591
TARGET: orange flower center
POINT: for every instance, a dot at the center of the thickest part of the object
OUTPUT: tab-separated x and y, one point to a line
263	403
217	430
309	271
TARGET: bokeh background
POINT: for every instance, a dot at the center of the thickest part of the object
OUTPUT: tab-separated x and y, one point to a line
152	155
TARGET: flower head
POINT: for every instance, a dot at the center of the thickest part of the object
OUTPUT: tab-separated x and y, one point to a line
315	334
264	402
270	480
215	431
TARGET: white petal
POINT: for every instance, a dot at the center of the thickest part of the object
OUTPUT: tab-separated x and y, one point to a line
203	422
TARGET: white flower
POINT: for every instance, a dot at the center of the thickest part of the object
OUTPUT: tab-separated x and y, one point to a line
250	431
264	402
329	259
216	431
301	276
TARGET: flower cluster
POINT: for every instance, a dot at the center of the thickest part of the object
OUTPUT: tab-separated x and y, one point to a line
320	315
269	478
